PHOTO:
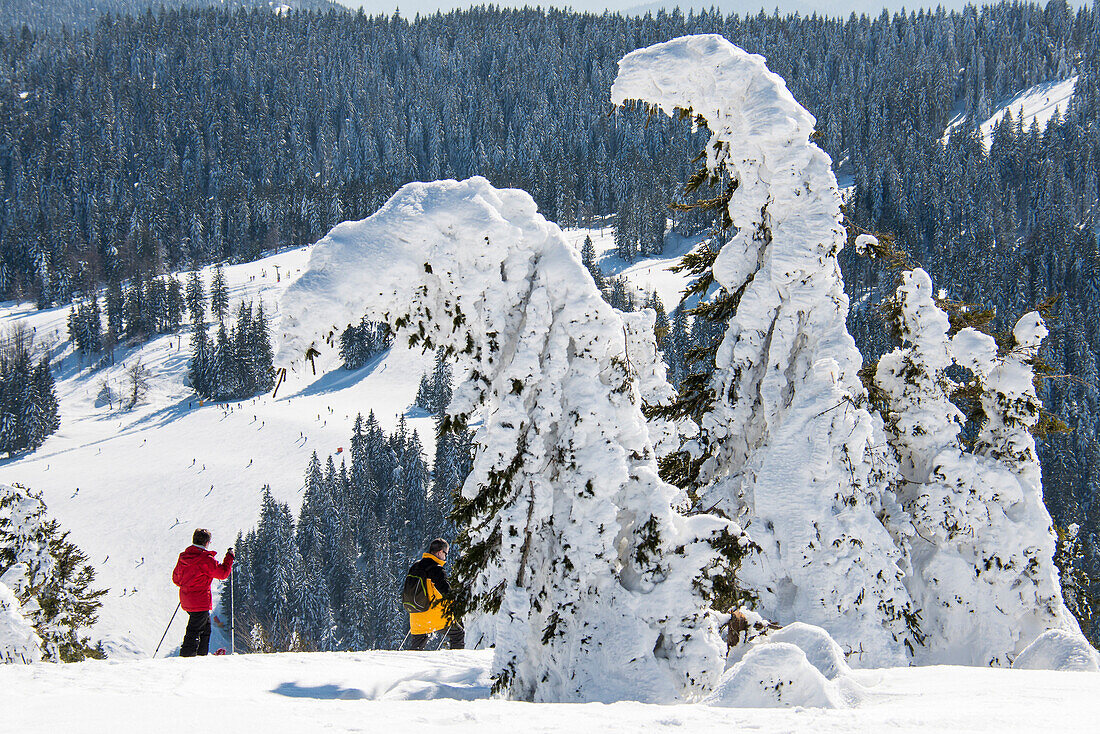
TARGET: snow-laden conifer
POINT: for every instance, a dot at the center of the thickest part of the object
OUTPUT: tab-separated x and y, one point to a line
981	543
1016	558
785	445
48	575
575	564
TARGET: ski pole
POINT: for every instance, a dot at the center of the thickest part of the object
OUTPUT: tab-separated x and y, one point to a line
173	619
232	614
402	645
443	637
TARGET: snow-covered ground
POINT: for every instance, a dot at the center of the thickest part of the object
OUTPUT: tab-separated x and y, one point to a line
1037	104
385	691
148	477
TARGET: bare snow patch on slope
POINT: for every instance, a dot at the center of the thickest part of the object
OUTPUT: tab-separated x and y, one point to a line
646	274
1036	104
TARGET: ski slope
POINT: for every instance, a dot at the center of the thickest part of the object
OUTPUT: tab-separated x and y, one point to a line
131	486
1036	104
449	691
646	274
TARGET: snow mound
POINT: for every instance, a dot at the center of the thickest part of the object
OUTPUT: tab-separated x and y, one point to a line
821	650
775	675
1059	650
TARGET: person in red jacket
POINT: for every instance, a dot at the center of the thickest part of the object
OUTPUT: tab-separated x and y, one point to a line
194	571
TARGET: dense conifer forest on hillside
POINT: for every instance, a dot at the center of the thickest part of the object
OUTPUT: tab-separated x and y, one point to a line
140	145
74	14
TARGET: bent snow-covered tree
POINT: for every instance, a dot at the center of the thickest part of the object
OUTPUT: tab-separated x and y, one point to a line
982	544
785	446
575	564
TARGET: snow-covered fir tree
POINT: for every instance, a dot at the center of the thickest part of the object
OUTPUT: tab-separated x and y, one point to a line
454	457
981	541
29	411
196	298
1077	589
591	263
1027	593
363	342
219	295
238	363
85	327
48	576
434	392
785	444
575	565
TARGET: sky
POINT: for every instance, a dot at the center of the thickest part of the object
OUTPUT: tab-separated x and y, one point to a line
822	7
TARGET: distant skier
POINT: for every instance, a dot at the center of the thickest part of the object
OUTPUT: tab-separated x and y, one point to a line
194	571
425	589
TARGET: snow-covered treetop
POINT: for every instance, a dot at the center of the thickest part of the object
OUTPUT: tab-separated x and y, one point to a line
771	159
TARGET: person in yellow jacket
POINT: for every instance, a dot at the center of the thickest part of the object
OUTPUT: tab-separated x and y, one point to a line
427	576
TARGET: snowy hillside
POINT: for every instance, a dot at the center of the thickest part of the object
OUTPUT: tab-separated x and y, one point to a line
131	486
1037	104
646	274
385	691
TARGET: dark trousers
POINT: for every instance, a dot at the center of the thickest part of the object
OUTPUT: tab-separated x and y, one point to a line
196	639
456	639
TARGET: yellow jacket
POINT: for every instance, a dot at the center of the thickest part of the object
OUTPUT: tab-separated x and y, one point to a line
422	623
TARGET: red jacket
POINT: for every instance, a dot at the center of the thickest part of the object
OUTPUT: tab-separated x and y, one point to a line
194	571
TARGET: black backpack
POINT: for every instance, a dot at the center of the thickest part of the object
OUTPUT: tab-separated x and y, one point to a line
414	595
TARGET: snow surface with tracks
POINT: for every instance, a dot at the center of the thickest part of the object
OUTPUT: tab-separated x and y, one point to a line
389	691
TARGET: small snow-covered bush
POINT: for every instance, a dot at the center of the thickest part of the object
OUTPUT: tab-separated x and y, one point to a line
1059	650
775	675
821	650
18	641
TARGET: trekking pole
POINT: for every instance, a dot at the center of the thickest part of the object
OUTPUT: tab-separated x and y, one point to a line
232	614
173	619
